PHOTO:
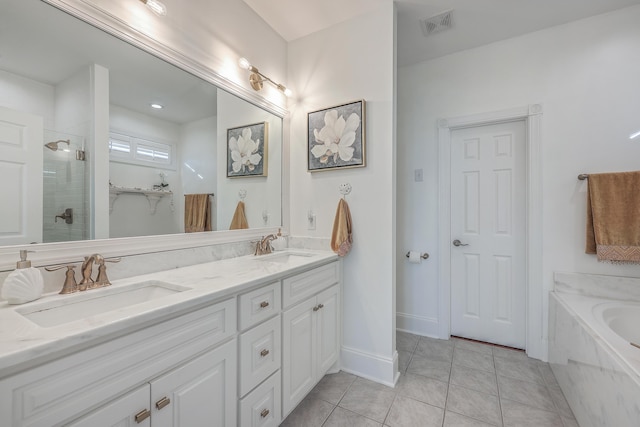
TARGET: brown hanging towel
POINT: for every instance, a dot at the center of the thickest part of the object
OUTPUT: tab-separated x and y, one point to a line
197	213
239	220
341	238
613	217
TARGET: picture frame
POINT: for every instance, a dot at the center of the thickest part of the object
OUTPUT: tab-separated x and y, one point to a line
326	150
247	150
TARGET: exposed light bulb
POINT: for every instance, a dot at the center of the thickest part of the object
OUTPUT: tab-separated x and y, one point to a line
282	88
156	7
244	63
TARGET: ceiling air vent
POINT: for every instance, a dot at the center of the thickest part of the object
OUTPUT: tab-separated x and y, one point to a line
436	23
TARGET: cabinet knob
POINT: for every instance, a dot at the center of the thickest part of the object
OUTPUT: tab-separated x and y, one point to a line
264	304
264	413
142	415
163	402
318	307
264	352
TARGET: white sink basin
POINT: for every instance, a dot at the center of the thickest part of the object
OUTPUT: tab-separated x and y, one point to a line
283	257
96	301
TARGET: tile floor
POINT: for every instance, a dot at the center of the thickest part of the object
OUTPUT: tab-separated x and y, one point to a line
442	383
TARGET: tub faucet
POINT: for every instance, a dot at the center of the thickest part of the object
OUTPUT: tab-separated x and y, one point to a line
263	246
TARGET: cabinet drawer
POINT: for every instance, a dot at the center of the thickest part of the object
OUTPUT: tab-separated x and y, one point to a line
304	285
258	305
261	407
63	389
259	354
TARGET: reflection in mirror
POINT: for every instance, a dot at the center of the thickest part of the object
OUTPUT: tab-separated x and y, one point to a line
86	118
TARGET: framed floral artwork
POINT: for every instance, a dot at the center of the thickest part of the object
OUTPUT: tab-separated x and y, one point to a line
336	137
247	150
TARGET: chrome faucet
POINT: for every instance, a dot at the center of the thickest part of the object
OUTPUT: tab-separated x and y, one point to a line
263	246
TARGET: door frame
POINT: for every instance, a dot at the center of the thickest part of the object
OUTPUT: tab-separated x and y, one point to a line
532	116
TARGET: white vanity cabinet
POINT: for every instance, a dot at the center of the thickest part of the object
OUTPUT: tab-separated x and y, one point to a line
247	361
90	380
311	331
195	394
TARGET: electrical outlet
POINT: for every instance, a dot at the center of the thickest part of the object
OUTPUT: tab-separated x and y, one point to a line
311	224
417	175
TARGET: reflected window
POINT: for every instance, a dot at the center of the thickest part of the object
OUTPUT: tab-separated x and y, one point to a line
129	149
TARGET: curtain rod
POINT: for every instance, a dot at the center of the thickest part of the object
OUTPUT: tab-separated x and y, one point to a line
583	176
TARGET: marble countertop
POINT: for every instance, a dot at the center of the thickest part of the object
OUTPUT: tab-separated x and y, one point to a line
24	344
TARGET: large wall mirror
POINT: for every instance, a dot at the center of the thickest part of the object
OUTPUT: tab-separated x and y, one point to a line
68	90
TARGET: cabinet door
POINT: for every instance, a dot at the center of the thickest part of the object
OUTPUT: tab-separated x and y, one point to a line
328	329
120	412
299	355
199	393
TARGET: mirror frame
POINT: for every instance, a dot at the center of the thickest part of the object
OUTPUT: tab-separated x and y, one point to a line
65	252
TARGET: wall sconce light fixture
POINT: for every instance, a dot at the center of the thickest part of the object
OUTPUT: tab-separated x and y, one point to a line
257	79
156	7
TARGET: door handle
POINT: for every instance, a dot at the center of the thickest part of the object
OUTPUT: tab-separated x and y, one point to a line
459	243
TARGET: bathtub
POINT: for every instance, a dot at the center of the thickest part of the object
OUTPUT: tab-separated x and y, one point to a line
592	358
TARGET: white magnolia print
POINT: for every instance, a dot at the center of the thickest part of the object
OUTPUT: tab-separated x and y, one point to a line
244	152
334	141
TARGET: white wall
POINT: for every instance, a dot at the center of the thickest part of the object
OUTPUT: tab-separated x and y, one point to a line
214	32
29	96
131	215
198	149
587	82
263	193
328	68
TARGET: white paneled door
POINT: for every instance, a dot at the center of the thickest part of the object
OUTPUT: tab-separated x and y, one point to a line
488	223
21	148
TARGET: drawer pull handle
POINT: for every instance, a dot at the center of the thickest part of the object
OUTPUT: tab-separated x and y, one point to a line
264	304
264	352
163	402
142	415
318	307
264	413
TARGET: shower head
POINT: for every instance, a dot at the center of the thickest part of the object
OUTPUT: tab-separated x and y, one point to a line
53	145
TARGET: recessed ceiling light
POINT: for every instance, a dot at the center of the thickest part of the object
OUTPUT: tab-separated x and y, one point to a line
157	106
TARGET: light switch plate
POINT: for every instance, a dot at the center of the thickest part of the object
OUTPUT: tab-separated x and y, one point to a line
417	175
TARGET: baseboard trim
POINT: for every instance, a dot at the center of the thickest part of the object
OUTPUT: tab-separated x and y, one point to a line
418	325
370	366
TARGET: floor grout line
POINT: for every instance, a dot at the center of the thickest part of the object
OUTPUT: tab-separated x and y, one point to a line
405	372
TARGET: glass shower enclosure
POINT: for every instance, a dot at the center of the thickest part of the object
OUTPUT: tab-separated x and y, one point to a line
65	183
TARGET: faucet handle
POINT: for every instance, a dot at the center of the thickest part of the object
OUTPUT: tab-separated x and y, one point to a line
102	279
70	285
